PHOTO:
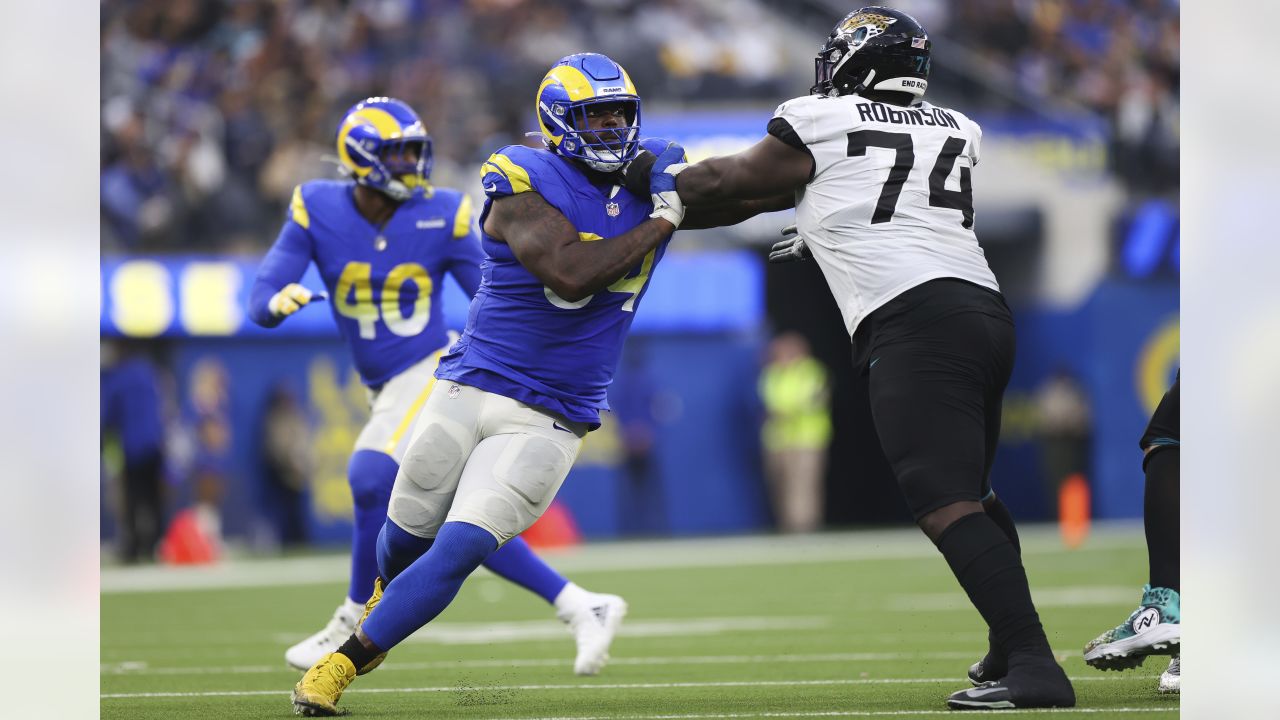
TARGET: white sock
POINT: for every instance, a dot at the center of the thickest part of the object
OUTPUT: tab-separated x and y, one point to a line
571	596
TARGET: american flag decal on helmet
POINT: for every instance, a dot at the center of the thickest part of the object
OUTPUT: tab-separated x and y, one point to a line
918	42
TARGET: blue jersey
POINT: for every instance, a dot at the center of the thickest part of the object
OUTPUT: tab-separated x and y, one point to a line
524	341
384	284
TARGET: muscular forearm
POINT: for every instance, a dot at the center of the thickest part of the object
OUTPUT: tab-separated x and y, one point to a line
550	247
589	266
765	170
708	182
734	211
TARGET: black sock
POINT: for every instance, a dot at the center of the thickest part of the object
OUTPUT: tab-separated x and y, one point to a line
1160	515
1000	515
990	571
357	652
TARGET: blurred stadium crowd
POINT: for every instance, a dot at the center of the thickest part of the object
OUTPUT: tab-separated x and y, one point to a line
212	110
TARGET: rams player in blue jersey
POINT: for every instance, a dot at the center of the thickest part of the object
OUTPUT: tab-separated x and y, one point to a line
569	255
383	241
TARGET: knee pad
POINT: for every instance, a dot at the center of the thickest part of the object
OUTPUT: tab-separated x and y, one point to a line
371	475
427	482
512	492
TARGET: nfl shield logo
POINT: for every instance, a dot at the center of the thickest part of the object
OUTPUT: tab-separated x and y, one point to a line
918	42
613	209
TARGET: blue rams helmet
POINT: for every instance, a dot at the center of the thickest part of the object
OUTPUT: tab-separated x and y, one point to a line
383	145
568	92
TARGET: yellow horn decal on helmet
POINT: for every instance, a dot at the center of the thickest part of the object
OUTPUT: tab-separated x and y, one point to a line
575	83
576	86
387	126
631	87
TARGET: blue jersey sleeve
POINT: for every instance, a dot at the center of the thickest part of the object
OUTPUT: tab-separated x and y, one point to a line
284	263
465	253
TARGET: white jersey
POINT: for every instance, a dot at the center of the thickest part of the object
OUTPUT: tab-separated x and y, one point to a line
890	203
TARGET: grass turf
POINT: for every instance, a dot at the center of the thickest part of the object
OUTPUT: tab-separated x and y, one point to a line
745	634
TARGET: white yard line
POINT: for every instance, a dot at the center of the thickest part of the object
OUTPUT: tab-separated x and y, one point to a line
506	632
609	686
863	545
141	668
849	713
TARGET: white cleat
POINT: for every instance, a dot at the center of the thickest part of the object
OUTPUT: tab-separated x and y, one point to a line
309	652
1171	679
594	622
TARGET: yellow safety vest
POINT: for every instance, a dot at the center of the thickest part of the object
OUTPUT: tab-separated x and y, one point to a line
795	396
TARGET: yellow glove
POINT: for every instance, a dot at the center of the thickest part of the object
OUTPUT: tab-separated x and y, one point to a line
289	300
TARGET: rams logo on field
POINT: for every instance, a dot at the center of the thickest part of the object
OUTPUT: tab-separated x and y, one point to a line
875	23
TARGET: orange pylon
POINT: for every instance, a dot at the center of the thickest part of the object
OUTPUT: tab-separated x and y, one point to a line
555	528
1074	515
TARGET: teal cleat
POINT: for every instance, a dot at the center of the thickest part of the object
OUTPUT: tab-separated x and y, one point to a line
1153	629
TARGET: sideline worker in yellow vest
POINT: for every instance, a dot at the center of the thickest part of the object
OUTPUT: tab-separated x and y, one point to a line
793	386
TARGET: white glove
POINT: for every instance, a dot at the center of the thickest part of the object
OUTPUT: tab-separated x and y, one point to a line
289	300
667	204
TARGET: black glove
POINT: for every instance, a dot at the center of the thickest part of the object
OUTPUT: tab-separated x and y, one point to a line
635	176
791	249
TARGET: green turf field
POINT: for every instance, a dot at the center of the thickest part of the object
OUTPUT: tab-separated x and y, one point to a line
862	624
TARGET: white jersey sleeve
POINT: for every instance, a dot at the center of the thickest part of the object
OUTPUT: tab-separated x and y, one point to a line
890	203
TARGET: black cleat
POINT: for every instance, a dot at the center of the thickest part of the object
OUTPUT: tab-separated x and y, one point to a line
1037	686
993	666
988	669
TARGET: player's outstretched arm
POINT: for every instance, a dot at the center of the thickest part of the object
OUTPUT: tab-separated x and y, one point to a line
768	169
733	212
720	214
276	293
548	245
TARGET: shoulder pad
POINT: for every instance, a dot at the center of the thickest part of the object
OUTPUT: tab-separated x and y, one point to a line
298	209
313	197
510	171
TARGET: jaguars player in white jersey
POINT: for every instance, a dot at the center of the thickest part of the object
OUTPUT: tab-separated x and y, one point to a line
882	182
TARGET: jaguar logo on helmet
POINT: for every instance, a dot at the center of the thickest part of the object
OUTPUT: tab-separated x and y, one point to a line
875	23
873	49
565	100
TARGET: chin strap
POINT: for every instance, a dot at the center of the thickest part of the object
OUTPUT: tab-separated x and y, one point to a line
865	84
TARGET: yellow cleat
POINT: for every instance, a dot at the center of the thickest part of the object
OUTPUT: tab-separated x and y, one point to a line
318	692
369	605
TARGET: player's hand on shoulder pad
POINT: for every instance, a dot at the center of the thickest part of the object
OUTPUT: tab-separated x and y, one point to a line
635	176
662	184
290	299
790	249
